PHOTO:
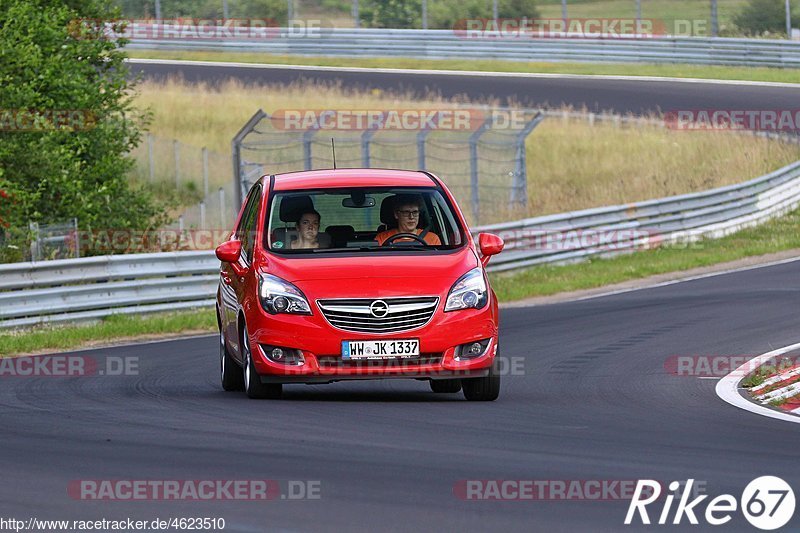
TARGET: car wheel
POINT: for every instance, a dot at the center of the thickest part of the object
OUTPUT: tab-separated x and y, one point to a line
252	381
446	385
230	373
485	389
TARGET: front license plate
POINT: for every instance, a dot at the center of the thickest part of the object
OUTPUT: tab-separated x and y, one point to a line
383	349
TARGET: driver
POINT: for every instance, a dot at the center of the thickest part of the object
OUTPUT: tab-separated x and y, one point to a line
406	211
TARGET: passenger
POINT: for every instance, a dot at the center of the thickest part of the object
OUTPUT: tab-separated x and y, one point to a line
307	231
406	211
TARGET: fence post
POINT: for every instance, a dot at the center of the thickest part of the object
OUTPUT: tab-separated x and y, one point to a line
77	238
177	149
473	168
34	227
151	157
308	137
519	189
422	136
205	172
222	217
236	154
366	137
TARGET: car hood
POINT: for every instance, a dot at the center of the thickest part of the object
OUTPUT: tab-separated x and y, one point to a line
375	275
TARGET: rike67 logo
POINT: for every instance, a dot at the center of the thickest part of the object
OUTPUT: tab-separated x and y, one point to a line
767	503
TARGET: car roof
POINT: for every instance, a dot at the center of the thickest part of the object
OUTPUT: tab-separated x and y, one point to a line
351	177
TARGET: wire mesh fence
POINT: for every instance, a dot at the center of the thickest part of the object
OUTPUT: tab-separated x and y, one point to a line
482	161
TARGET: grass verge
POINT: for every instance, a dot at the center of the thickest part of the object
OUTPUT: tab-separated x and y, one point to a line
111	329
774	236
571	164
492	65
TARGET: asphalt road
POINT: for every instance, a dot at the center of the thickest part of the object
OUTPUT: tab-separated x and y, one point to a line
596	94
593	402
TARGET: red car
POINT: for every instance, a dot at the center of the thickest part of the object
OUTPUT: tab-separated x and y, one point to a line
393	287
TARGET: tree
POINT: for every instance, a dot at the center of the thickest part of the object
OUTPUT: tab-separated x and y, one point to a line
761	16
392	13
67	120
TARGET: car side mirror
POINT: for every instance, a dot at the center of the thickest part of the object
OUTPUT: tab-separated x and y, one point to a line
490	244
229	252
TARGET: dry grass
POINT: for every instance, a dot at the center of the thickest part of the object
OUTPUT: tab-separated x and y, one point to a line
571	164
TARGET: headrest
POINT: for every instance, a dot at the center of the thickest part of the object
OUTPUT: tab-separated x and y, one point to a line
292	207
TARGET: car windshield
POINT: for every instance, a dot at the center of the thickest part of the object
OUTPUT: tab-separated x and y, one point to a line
361	220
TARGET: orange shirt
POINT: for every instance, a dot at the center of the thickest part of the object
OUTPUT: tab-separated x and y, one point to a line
431	238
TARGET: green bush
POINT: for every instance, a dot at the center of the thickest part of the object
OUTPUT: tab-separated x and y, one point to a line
51	62
205	9
443	14
760	17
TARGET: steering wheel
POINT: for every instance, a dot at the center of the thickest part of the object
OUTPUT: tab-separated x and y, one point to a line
397	236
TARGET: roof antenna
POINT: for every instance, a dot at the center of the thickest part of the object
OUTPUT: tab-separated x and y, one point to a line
333	149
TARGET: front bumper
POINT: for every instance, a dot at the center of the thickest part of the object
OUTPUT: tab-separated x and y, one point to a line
320	344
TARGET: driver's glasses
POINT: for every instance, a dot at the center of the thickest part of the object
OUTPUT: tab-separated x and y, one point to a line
409	213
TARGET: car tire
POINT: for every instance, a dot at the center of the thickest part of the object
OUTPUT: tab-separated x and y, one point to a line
253	386
229	370
449	386
485	389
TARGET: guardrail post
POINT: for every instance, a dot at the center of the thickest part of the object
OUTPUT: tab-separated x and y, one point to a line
519	189
308	138
151	157
366	137
422	136
473	168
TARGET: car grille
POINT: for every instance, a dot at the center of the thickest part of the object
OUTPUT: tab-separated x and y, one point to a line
336	361
356	314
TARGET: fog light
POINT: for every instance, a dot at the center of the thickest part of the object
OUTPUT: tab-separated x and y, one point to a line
472	350
285	356
281	304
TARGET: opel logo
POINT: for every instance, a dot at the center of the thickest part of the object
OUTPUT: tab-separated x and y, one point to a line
379	308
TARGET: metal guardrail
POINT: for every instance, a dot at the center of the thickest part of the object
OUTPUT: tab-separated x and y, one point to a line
451	44
93	287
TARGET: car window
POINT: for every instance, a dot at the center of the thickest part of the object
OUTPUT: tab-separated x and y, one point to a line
358	219
247	227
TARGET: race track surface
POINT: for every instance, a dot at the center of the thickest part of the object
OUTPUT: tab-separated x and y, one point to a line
596	94
594	402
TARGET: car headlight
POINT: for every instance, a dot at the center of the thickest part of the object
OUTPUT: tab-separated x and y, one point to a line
468	292
280	296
